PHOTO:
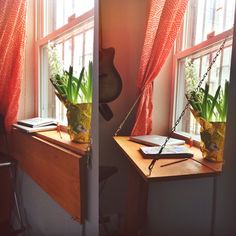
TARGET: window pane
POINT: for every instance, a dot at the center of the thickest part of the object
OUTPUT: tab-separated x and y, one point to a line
218	74
47	97
205	19
199	16
74	46
67	54
78	53
226	65
58	13
76	50
214	75
88	51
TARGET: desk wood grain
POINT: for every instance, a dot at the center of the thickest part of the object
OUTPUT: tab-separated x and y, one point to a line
193	167
58	171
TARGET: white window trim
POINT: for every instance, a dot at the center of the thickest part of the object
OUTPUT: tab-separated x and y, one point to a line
182	54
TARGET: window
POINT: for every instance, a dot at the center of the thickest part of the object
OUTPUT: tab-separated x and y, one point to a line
69	25
206	24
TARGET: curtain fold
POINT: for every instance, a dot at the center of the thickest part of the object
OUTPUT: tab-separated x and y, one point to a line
12	54
164	21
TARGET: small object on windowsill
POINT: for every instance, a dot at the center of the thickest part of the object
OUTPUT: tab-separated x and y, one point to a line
190	142
36	122
174	162
59	130
211	35
71	18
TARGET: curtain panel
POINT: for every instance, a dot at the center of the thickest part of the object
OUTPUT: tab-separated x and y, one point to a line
164	20
12	54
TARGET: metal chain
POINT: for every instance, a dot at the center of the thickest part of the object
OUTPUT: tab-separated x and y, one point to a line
128	114
150	167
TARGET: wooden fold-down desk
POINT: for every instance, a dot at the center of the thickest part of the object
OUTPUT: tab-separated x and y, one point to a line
139	178
55	164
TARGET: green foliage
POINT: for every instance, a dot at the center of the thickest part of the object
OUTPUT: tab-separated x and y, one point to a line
70	88
190	74
209	107
86	85
55	63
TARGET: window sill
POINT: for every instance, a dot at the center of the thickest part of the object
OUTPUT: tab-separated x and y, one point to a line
193	167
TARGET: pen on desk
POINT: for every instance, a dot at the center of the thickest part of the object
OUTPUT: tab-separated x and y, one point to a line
171	163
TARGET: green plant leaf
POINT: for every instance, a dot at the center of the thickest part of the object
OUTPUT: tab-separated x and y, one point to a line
78	86
69	84
214	102
84	92
57	87
74	89
207	106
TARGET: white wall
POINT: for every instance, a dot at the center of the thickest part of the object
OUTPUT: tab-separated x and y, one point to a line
42	215
162	98
123	24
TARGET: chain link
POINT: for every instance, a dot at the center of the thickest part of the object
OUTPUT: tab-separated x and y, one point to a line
150	167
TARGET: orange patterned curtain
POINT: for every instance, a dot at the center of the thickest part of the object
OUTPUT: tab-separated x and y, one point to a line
12	45
164	20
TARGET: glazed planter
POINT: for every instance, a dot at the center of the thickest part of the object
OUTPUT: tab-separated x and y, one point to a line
212	138
212	141
79	122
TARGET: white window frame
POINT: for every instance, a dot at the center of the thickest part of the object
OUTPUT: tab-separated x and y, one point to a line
41	41
178	55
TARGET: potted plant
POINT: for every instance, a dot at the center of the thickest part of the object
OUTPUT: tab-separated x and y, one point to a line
76	94
210	112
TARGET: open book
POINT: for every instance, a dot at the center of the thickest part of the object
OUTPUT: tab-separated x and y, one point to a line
168	152
36	124
27	129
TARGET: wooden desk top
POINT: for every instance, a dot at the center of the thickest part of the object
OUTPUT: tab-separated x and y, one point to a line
192	167
63	141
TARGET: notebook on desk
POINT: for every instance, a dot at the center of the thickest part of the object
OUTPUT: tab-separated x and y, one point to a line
173	151
155	140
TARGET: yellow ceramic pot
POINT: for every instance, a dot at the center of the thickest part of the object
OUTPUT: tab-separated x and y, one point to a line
212	141
212	138
79	122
